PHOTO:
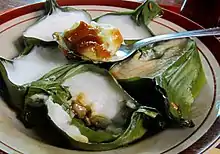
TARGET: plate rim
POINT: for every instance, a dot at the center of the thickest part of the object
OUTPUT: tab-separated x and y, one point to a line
19	11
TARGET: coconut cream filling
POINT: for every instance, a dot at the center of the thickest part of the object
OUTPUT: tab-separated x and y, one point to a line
128	28
105	99
63	120
33	66
56	22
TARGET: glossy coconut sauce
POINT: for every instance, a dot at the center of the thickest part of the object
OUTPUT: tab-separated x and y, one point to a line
86	37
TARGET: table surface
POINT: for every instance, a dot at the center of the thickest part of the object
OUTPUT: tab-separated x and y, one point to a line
8	4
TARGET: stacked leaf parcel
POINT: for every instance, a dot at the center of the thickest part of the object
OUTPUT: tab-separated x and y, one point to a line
77	104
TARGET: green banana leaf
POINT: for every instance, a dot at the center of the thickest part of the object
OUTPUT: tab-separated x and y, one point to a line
147	92
137	119
147	12
183	82
13	94
176	67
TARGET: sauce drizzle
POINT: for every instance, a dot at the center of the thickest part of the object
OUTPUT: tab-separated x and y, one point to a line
85	40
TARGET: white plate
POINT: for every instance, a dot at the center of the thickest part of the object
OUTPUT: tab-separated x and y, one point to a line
16	139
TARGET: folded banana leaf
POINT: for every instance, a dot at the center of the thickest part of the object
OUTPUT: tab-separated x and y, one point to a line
13	94
83	103
88	106
28	67
56	18
147	92
176	67
137	21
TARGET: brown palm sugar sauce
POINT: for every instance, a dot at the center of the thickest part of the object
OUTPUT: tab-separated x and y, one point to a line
85	38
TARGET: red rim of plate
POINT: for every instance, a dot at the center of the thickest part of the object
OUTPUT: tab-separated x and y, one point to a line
211	42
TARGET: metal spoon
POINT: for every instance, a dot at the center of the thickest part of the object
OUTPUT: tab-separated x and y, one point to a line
127	50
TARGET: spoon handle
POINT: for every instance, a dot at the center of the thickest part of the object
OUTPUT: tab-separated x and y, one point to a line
197	33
